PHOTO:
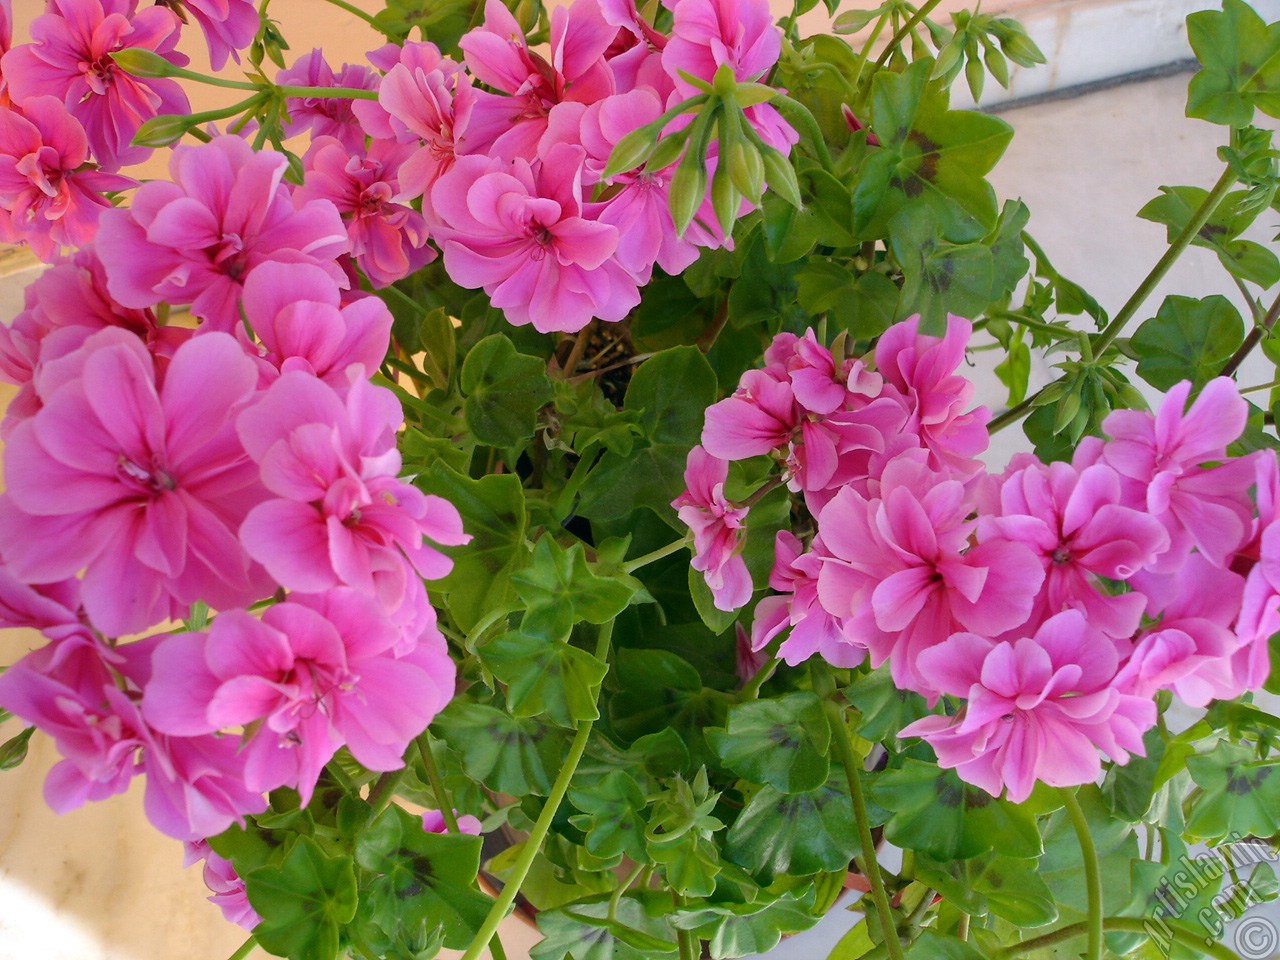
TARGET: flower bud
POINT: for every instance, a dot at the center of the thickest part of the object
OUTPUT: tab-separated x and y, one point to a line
632	150
667	151
688	189
750	94
162	130
140	62
746	169
14	750
725	198
780	175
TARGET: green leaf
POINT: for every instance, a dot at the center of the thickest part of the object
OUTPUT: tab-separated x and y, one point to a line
669	392
935	812
439	347
559	590
678	836
611	816
504	391
492	510
583	932
656	690
304	902
937	159
1187	339
1115	844
1008	887
780	742
934	946
509	754
798	833
941	277
1130	788
1184	887
1240	54
885	707
545	676
1243	258
737	929
1241	794
421	878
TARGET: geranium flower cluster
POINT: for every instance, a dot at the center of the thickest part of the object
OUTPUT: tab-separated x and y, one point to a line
1048	604
153	471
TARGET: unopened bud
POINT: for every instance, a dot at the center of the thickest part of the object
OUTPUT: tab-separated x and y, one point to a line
780	175
750	94
632	150
140	62
14	750
746	169
1018	47
162	130
688	189
667	151
725	199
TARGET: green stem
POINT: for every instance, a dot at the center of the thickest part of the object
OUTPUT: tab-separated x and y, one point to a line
329	93
824	686
1197	221
496	948
962	927
359	943
1262	327
353	9
538	834
752	688
865	52
443	803
901	34
622	888
384	788
244	950
648	558
1031	323
709	336
1092	875
1121	925
1011	415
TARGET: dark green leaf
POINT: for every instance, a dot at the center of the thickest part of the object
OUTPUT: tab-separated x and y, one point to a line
559	590
780	742
1240	54
492	510
934	946
504	391
798	834
1008	887
545	676
611	816
304	902
1187	340
581	930
885	707
508	754
1241	794
737	929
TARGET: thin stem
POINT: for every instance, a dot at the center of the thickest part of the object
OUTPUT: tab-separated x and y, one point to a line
384	788
709	336
244	949
649	558
353	9
533	844
1193	226
809	124
1011	415
1255	307
962	927
1092	875
359	943
898	37
496	948
824	686
751	690
443	803
1031	323
622	888
1252	340
1123	925
684	938
579	348
861	61
329	93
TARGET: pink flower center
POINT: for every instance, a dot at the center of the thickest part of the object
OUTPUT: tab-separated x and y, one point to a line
150	481
99	74
230	254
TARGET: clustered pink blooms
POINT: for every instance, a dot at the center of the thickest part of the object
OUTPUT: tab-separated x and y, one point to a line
150	468
1050	603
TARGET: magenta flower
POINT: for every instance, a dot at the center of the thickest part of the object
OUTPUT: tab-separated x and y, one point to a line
388	240
198	239
70	58
1038	708
433	822
901	569
1074	523
317	671
227	25
922	369
296	311
222	880
498	55
518	232
718	529
339	516
140	486
1202	507
758	418
326	116
52	194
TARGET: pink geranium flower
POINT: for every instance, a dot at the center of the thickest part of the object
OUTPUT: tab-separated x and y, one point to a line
138	485
326	116
225	884
318	671
70	58
518	231
718	529
1162	459
52	194
339	516
1075	524
433	822
297	314
228	25
1038	708
198	239
388	239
